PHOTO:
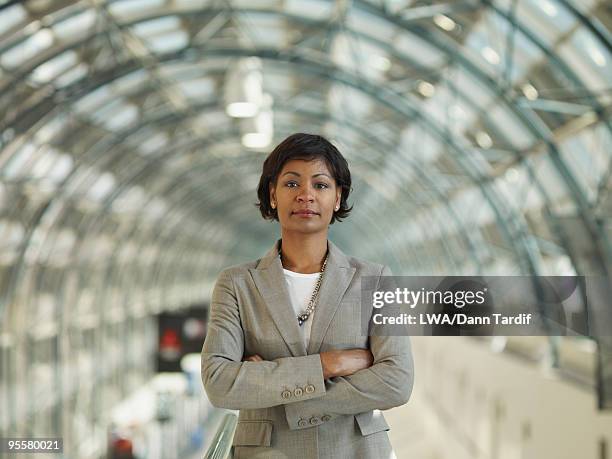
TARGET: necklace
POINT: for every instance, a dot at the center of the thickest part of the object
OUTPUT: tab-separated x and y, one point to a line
303	317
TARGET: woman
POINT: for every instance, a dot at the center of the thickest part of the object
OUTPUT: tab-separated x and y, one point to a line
284	343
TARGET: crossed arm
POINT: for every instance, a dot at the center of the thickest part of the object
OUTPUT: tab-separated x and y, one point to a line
342	382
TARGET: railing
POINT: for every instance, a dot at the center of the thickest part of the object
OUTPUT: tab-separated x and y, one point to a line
221	445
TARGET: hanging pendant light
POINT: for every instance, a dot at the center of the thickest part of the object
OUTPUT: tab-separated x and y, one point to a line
257	132
243	88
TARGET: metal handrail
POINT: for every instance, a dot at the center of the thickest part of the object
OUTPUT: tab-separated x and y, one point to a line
221	445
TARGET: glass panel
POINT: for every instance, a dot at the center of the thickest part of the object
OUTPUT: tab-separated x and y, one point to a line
117	115
366	23
587	57
131	82
313	9
153	143
27	49
588	157
472	87
123	8
76	25
54	67
52	165
157	26
93	100
21	160
100	189
525	52
510	126
554	186
72	75
130	200
418	50
547	19
47	132
168	42
192	3
199	89
11	16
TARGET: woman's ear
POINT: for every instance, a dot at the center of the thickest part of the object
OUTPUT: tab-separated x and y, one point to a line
272	196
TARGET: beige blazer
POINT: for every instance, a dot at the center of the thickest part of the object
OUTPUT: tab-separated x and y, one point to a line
287	409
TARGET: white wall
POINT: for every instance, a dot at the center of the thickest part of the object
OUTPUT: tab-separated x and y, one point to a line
460	384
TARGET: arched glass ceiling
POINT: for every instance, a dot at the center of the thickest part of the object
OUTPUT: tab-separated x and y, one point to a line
487	140
488	130
478	133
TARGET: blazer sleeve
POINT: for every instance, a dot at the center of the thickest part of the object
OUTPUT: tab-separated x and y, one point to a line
386	384
233	384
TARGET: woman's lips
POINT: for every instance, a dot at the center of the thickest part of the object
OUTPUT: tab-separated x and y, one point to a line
305	214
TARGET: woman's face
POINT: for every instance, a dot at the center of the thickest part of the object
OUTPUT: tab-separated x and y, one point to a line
305	196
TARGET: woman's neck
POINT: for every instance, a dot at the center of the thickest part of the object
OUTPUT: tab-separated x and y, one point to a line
303	254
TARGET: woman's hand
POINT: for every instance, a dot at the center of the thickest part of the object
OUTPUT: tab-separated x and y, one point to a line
253	358
345	362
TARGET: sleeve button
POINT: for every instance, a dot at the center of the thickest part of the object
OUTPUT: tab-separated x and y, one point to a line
302	423
310	389
314	420
286	394
298	392
326	418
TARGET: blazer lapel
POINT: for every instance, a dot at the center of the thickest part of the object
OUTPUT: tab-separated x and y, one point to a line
270	281
336	279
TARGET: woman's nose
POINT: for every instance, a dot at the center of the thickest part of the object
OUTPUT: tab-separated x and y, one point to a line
306	195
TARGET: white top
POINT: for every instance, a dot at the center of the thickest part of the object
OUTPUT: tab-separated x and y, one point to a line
300	288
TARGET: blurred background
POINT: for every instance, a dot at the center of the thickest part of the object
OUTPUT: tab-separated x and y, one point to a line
132	135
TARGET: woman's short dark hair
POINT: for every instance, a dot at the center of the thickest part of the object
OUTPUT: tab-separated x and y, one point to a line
307	147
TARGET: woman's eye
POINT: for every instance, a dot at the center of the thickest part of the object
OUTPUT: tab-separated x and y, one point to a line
320	186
